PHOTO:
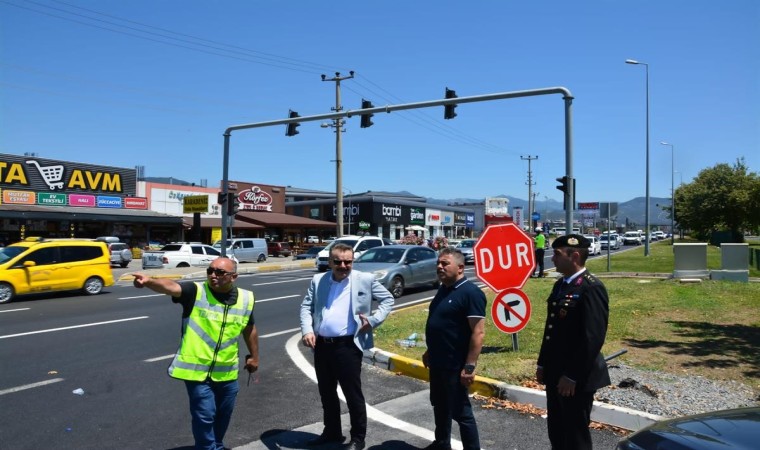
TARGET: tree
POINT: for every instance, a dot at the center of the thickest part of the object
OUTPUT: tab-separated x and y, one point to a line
720	198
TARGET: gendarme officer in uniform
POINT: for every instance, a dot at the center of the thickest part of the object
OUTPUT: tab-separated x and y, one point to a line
570	363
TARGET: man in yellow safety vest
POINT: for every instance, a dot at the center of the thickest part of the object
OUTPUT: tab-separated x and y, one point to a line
214	314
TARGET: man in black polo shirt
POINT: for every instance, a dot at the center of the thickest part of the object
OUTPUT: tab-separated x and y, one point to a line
454	334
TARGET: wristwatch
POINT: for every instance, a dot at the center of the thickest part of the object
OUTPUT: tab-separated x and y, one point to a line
469	368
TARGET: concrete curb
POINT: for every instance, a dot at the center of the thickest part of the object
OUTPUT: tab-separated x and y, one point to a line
601	412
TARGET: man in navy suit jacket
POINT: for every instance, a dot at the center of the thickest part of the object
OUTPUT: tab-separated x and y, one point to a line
336	323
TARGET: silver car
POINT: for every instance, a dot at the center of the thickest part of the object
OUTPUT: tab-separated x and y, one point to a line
398	267
467	247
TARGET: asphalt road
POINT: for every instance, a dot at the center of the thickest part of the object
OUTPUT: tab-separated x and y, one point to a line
116	347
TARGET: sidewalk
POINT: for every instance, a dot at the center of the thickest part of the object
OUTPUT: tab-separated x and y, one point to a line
602	412
270	265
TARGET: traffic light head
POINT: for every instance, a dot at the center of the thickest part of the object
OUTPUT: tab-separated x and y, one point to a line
233	204
563	184
291	127
448	110
366	122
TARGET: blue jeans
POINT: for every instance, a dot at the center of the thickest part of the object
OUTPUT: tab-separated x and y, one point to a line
211	405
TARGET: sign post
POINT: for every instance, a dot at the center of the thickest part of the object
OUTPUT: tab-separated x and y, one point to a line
504	260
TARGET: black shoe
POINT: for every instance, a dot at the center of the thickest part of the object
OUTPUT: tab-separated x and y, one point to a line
325	439
438	445
353	444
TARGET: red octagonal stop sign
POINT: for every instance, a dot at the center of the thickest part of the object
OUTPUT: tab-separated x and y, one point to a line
504	257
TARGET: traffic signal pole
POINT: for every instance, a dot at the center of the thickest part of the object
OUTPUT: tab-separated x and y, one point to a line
566	96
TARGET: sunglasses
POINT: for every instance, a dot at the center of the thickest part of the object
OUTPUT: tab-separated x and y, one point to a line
218	272
338	262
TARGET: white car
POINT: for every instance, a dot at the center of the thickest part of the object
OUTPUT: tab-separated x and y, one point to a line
312	240
595	247
613	239
360	244
632	238
180	255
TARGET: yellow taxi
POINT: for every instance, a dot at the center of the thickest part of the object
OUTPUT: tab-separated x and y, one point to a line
37	265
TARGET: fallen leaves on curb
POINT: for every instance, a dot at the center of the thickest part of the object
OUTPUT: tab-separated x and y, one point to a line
495	403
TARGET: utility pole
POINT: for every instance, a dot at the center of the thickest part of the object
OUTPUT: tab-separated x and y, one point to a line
533	222
530	183
338	125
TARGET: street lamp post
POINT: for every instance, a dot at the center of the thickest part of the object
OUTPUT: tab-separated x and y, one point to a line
672	193
646	206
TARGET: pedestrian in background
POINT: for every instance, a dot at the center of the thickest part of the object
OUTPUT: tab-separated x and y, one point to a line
214	314
454	335
570	363
540	243
336	323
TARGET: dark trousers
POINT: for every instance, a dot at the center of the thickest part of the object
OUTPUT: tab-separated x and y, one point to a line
450	401
540	261
340	362
568	419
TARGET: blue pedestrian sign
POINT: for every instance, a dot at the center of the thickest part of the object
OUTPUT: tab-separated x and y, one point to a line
536	216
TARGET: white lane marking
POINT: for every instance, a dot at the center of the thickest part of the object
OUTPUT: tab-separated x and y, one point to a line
29	386
277	298
142	296
72	327
263	336
281	281
375	414
15	310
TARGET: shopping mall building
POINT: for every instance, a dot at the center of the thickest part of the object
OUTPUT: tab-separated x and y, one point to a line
53	198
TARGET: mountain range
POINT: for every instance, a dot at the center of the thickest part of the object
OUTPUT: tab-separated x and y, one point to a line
630	212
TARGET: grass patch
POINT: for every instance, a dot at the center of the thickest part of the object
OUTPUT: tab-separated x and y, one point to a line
710	329
660	259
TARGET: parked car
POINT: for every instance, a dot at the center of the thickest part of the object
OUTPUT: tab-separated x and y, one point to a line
725	429
279	249
37	265
467	247
179	254
310	253
245	249
595	247
360	244
398	267
312	240
120	252
632	238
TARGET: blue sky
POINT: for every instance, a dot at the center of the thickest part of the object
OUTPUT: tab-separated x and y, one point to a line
157	83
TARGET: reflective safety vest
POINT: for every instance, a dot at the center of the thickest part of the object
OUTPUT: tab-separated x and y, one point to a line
209	345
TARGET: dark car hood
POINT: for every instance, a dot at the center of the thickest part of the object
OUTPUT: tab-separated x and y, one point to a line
733	428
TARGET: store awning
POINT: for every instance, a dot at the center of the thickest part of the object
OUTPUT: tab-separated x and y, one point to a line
216	222
269	220
79	214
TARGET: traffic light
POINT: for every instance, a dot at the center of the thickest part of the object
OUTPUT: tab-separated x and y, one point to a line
291	127
366	122
564	184
233	204
448	110
220	198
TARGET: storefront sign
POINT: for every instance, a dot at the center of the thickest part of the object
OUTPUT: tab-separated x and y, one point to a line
195	204
255	199
104	201
460	219
41	174
416	216
50	199
19	197
82	200
433	217
447	218
135	203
